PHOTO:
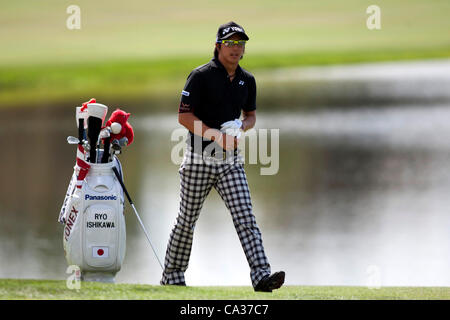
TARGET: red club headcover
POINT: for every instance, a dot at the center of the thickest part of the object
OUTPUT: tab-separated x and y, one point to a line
121	117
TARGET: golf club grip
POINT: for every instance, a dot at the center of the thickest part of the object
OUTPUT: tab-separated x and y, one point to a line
106	148
121	183
80	131
94	127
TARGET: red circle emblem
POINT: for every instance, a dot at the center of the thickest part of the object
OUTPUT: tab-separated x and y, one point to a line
100	252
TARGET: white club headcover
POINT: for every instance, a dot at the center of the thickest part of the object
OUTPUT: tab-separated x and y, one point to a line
81	115
97	110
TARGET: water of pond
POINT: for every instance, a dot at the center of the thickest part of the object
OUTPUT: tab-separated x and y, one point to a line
360	195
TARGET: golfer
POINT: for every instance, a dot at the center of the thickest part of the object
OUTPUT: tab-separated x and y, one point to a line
212	101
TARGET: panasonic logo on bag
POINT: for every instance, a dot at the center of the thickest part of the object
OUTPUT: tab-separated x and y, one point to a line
89	197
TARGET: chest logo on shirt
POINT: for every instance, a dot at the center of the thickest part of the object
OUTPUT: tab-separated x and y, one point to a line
241	83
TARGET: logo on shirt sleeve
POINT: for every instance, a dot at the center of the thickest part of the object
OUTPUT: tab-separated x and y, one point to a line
185	93
184	107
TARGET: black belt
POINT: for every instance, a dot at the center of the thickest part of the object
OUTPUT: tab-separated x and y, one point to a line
202	144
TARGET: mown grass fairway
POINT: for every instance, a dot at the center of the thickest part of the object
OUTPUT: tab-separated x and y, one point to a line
53	289
144	50
36	31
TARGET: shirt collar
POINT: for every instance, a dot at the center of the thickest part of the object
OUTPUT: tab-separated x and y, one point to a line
217	64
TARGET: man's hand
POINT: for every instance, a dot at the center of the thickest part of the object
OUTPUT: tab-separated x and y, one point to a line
233	124
224	140
232	128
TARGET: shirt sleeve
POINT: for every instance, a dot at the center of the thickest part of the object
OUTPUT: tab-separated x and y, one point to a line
190	96
250	105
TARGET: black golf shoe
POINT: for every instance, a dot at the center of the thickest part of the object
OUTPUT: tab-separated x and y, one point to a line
272	282
180	284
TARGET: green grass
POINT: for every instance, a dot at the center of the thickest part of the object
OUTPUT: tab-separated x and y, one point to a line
154	84
36	31
143	51
55	289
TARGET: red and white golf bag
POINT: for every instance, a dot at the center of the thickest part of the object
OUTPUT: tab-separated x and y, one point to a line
94	236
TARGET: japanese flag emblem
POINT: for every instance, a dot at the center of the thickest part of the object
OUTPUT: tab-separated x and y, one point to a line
100	252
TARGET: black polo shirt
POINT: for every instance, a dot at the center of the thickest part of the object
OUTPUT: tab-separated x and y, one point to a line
213	98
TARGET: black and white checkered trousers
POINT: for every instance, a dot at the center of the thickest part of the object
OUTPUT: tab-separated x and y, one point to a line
198	175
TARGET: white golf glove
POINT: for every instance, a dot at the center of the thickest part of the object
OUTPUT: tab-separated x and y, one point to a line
232	128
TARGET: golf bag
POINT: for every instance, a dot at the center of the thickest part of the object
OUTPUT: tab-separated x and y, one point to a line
94	235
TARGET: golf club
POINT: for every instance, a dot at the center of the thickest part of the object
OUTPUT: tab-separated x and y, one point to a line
105	134
96	116
94	125
137	215
81	131
73	140
106	145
